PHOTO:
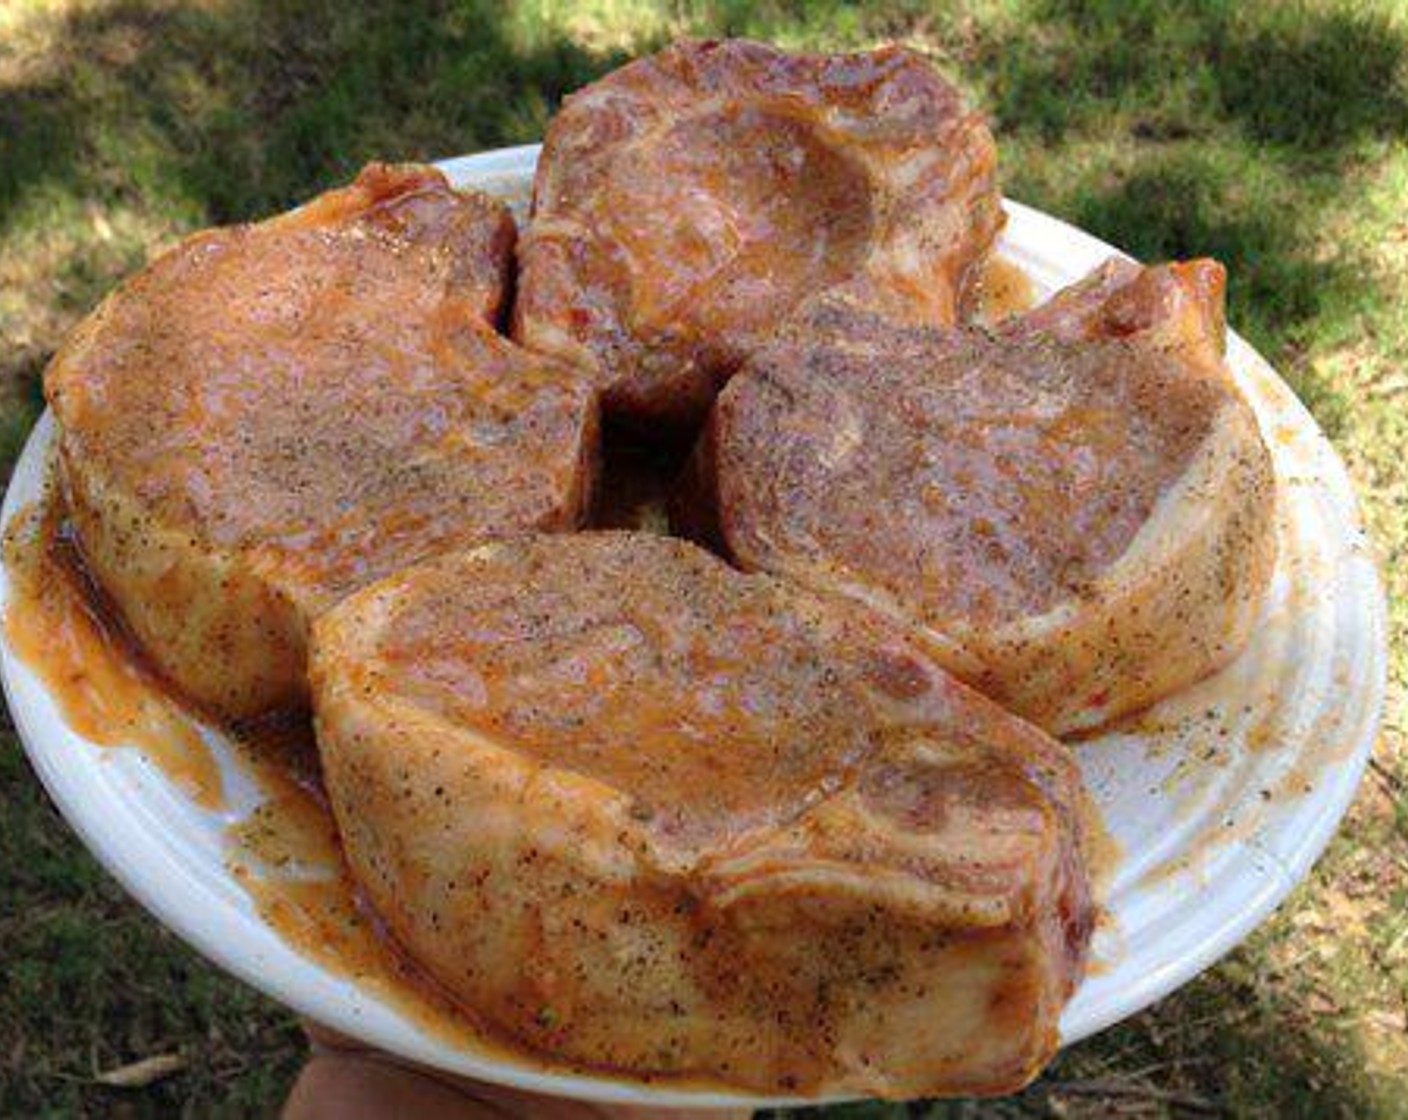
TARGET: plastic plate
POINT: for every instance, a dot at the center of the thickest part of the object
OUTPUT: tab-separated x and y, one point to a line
1219	800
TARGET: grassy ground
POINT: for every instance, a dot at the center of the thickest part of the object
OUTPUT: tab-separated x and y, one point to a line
1272	136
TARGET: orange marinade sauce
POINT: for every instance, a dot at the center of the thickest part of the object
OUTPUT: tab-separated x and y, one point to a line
1004	290
58	625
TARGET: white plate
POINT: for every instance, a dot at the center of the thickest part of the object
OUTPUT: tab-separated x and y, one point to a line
1210	845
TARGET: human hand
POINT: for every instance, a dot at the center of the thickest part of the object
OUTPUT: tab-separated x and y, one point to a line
346	1080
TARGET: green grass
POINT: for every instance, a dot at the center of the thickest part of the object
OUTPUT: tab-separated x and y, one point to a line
1274	137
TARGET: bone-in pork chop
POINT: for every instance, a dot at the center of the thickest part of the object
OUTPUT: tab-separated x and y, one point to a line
1076	509
688	202
272	415
651	814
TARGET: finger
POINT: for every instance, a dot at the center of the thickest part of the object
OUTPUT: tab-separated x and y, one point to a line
324	1038
330	1045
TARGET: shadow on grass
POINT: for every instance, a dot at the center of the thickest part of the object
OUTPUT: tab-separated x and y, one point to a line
1248	124
1313	79
245	108
1316	82
1284	293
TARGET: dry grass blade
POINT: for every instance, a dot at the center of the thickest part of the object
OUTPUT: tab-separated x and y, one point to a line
140	1074
1111	1088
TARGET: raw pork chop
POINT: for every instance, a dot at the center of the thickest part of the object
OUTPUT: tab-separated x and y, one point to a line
688	202
272	415
649	814
1076	510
